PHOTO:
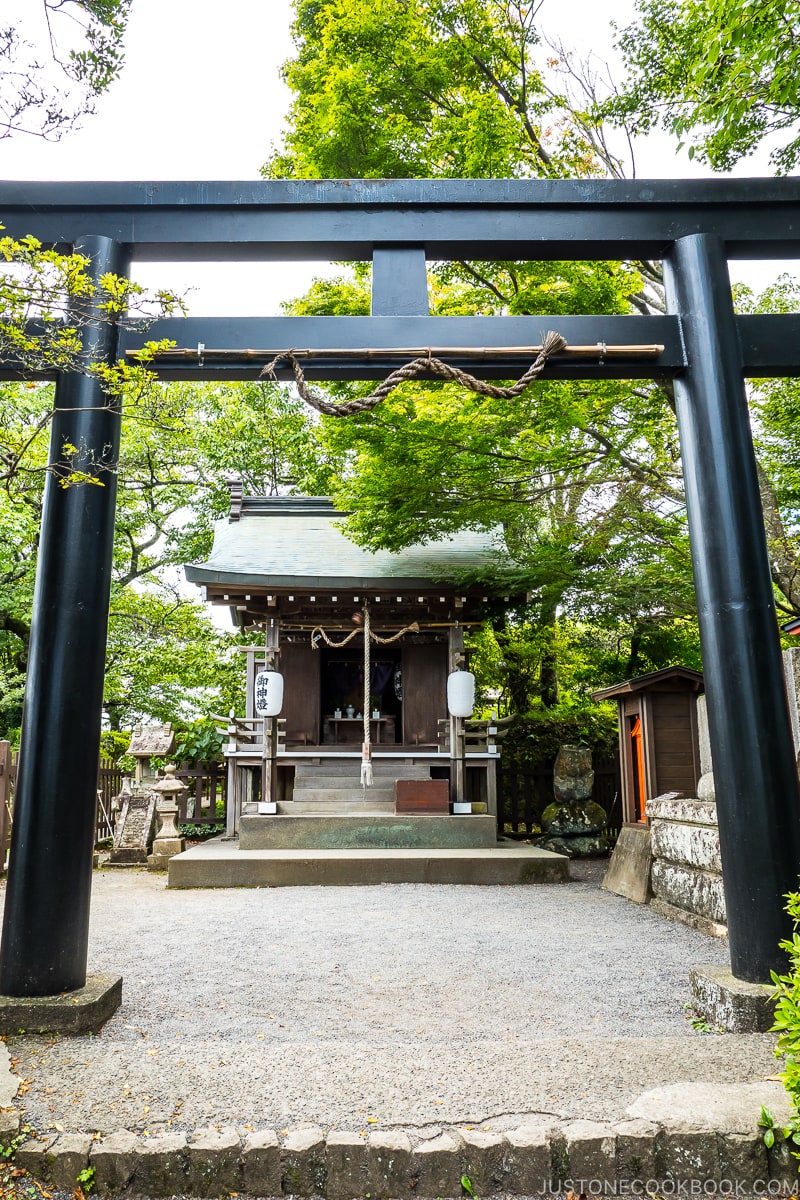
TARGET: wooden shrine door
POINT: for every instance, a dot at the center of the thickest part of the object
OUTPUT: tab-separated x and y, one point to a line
300	665
424	692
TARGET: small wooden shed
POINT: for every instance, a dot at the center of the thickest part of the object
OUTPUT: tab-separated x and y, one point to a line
658	743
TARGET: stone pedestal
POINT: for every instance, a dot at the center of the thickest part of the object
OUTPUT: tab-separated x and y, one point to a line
729	1003
574	825
75	1013
163	850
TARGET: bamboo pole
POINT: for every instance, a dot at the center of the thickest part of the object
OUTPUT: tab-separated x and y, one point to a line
599	350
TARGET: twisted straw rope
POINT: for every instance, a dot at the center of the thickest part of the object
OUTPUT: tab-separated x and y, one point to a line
318	634
551	344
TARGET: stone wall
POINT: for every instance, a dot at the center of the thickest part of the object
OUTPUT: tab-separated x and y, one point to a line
686	871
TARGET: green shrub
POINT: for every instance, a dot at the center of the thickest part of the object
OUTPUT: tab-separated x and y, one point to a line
198	742
787	1010
114	743
200	832
537	736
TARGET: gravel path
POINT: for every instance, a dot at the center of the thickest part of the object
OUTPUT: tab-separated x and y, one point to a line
408	1004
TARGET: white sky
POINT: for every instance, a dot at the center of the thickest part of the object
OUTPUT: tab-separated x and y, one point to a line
201	97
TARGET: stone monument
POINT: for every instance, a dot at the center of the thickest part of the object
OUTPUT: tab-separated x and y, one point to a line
136	823
705	784
135	826
574	824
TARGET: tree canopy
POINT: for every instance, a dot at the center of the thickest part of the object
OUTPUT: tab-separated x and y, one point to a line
722	75
56	58
437	88
166	659
581	482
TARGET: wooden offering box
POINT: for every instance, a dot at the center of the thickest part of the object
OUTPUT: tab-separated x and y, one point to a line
422	796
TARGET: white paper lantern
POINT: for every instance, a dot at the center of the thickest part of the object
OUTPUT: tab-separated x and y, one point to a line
460	693
268	693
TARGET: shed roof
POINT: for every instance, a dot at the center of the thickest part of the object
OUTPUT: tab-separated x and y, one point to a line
683	679
299	542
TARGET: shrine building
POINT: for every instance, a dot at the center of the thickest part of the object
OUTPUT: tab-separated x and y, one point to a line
367	649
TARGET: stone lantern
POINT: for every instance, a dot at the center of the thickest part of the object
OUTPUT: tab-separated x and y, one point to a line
168	840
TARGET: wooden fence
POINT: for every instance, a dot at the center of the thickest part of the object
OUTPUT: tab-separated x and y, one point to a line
525	792
109	785
8	771
523	795
204	802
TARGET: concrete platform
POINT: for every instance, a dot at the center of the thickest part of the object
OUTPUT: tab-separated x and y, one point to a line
367	830
219	864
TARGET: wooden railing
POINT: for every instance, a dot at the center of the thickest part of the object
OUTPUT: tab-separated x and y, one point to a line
247	733
480	736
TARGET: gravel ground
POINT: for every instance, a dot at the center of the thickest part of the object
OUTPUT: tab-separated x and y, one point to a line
407	1004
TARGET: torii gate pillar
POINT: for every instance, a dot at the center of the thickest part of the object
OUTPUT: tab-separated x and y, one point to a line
758	806
46	919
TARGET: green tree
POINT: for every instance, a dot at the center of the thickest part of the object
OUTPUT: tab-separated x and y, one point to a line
450	88
166	659
46	297
568	475
721	75
55	60
775	409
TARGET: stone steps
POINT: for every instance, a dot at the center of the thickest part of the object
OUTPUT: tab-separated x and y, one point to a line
685	1133
344	795
307	776
335	788
221	864
368	830
324	782
301	807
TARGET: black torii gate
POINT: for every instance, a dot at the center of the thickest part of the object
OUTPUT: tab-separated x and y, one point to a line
398	224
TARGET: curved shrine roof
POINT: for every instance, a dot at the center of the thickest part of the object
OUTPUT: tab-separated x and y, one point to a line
293	541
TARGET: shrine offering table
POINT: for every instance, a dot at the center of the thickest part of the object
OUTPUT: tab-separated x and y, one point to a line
348	729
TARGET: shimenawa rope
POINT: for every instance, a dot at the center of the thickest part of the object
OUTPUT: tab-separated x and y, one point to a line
551	344
318	635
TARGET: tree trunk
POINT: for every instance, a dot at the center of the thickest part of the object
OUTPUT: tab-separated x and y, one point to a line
632	665
548	663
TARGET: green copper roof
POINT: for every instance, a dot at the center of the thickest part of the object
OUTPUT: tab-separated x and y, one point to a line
298	541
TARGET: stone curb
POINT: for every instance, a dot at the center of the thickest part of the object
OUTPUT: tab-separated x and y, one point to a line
540	1155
